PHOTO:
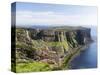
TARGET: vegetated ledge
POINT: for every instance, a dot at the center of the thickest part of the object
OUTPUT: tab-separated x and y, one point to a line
49	49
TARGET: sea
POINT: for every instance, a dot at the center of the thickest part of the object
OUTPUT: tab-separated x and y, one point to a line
87	58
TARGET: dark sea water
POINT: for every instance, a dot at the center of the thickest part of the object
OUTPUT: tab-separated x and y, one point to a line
88	57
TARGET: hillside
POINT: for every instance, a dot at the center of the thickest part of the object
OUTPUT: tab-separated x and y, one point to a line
47	49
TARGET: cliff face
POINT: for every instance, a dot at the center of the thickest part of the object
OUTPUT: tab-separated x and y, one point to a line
81	36
51	46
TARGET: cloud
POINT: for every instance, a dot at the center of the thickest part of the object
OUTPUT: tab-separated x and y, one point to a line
51	18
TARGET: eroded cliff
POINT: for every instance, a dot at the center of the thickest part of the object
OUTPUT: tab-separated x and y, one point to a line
52	46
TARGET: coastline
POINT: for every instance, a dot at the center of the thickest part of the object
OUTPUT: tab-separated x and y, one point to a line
74	55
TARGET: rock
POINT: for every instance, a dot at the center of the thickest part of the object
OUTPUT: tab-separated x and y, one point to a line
49	45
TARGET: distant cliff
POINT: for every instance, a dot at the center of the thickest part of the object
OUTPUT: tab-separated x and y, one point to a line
53	46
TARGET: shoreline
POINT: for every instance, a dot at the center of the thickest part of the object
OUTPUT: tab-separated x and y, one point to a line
67	65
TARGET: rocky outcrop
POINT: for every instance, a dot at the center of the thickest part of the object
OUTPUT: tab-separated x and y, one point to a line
50	45
56	35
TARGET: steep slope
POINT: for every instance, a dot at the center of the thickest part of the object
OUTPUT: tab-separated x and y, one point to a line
52	47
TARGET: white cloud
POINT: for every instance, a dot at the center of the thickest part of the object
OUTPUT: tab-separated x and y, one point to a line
49	17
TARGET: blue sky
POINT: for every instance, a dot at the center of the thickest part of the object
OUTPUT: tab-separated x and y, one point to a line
54	14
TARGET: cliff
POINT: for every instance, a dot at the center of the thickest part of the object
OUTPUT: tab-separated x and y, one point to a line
53	46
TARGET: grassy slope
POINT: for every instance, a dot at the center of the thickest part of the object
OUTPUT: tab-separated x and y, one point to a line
32	67
39	66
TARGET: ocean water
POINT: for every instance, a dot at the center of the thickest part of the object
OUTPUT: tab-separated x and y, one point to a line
88	57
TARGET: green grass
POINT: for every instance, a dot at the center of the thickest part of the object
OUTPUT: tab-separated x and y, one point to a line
32	67
65	45
53	43
23	45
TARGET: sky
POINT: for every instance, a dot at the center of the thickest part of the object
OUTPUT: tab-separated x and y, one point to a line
54	14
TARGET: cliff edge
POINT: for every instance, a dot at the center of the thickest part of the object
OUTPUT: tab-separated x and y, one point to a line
52	47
